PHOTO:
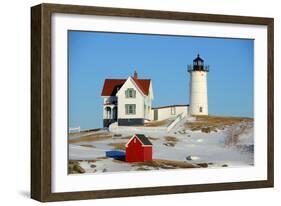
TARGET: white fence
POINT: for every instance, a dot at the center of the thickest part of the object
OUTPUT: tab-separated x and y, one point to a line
73	129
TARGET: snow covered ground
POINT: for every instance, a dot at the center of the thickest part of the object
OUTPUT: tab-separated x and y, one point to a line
232	146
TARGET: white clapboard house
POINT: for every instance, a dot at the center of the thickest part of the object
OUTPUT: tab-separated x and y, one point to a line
129	101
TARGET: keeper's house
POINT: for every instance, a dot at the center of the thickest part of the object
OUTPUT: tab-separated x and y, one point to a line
129	102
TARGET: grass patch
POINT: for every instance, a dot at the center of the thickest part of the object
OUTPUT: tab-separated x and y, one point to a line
209	124
87	145
167	164
118	161
128	137
156	123
102	158
142	169
74	167
153	138
118	146
170	141
92	137
77	133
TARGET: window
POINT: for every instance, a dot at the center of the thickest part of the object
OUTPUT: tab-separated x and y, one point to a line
130	108
130	93
200	109
173	110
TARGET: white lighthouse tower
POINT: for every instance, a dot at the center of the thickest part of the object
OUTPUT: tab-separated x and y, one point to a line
198	87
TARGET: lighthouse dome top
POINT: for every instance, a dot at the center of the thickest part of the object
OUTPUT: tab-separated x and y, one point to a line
198	59
198	65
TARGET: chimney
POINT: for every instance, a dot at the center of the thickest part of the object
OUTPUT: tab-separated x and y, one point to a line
135	75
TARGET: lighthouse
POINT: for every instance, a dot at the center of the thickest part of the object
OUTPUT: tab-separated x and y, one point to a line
198	87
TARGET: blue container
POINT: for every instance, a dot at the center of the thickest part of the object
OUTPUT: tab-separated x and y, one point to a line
120	155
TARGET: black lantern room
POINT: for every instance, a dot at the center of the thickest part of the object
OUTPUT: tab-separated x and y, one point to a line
198	63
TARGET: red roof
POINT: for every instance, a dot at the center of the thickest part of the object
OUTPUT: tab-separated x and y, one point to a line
111	86
142	138
143	84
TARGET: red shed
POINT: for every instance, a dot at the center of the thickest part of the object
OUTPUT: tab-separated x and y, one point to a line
138	149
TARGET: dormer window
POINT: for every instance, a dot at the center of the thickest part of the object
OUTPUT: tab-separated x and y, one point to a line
130	93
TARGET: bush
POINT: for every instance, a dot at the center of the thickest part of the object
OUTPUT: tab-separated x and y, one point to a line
206	130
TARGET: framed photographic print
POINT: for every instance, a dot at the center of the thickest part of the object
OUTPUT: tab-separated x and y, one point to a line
130	102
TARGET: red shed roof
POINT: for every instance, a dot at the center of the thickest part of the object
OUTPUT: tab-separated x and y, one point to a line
111	86
142	138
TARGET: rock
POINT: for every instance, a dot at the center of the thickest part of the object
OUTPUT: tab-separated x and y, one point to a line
224	165
204	165
78	169
182	132
190	157
93	166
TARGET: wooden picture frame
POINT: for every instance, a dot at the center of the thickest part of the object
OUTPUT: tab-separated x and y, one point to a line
41	84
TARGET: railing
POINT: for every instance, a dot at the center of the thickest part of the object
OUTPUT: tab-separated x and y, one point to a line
190	68
110	102
176	121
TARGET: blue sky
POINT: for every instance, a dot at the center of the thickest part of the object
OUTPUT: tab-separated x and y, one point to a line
95	56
